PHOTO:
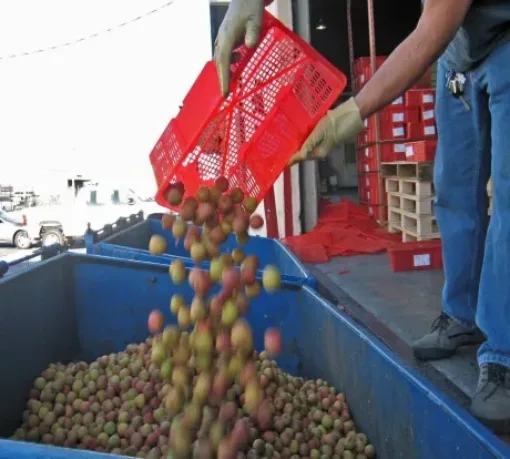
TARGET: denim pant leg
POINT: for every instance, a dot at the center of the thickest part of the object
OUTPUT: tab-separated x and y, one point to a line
493	315
460	177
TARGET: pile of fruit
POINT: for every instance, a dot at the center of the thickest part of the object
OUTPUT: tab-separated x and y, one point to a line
197	388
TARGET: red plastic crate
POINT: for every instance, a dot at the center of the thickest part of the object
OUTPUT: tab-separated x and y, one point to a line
420	97
424	150
416	256
427	114
390	152
378	211
394	114
369	189
420	130
278	93
363	69
387	131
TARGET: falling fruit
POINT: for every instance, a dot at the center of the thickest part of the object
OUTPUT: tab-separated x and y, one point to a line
167	221
157	244
221	183
256	222
237	195
156	321
175	303
273	342
174	196
203	194
271	278
250	204
179	229
177	272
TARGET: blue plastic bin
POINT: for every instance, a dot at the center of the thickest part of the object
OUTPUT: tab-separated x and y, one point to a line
132	243
80	307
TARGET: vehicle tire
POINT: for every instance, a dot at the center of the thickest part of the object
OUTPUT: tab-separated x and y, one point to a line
22	240
52	236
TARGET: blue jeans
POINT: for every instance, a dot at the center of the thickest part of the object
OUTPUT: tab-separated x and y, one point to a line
476	249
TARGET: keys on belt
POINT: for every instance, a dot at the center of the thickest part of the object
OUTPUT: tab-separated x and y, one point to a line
456	83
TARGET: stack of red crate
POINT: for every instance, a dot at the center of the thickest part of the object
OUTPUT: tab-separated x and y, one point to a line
407	132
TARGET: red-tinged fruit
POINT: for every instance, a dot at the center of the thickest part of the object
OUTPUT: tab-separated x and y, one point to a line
203	194
221	183
225	203
156	321
273	342
256	222
230	279
174	196
217	236
240	224
205	211
167	221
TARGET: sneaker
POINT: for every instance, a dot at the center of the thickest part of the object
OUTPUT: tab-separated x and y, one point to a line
445	337
491	402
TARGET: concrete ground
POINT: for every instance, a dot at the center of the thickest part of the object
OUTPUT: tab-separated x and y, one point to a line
8	252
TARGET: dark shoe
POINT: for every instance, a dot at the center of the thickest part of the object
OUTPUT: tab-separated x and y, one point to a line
491	402
445	338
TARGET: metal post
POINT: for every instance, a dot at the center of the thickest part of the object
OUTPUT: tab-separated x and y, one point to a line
351	45
371	35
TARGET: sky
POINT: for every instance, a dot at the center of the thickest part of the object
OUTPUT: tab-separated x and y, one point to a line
98	107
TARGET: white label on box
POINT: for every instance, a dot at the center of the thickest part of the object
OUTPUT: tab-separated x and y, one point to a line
398	117
370	210
365	122
398	132
428	99
430	130
367	152
399	148
421	260
366	168
362	78
368	195
409	151
367	182
398	101
428	115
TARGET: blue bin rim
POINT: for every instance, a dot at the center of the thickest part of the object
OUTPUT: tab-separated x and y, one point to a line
486	437
299	279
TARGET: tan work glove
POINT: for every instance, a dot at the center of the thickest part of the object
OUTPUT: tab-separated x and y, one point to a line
243	18
336	126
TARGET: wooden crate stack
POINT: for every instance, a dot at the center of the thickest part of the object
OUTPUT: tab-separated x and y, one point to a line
410	195
410	118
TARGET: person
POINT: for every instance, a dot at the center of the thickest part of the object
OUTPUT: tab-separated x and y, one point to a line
470	41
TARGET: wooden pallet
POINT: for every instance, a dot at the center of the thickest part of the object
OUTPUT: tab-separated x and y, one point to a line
421	171
411	203
414	227
410	187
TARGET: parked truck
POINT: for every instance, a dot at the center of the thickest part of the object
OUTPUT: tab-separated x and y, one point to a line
95	205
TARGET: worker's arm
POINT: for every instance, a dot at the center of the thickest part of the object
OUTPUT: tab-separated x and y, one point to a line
438	24
243	19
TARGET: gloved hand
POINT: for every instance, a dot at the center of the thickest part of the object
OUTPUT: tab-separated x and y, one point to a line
244	17
336	126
